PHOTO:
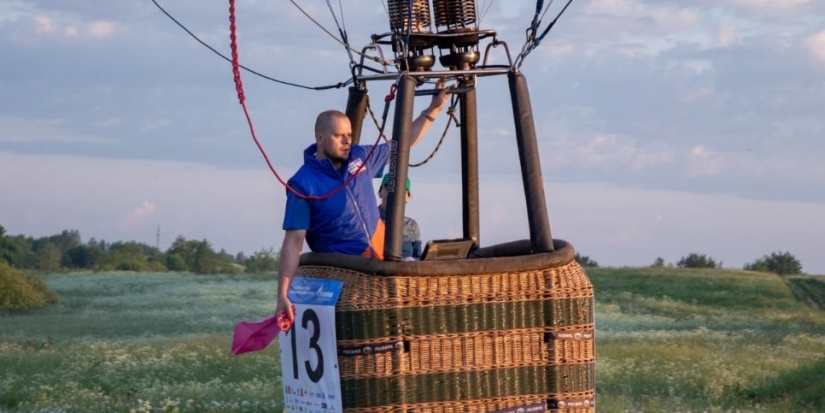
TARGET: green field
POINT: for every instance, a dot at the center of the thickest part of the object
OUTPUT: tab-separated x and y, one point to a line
668	340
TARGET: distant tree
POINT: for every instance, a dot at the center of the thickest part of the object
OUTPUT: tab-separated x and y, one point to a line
265	260
185	250
205	259
658	262
585	261
83	256
49	257
694	260
174	262
18	252
130	256
782	263
240	258
5	254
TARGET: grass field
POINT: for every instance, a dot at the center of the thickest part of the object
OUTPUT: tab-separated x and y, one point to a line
668	340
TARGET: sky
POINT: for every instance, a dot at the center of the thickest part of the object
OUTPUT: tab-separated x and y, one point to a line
664	127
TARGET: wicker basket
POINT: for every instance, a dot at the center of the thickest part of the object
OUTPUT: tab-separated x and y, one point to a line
511	333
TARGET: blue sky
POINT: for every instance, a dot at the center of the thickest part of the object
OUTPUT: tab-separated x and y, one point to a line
665	127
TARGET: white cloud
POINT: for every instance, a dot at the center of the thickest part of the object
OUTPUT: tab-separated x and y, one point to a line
701	93
665	16
816	45
609	151
145	210
47	26
101	29
726	36
770	7
44	24
43	130
703	162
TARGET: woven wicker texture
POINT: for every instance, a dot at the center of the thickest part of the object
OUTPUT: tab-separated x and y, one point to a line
467	342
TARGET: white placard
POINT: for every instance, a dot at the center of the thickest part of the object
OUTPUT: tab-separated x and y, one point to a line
309	352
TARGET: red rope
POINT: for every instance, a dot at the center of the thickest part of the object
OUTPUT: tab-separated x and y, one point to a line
236	71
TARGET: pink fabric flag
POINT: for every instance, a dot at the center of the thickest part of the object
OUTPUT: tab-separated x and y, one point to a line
257	335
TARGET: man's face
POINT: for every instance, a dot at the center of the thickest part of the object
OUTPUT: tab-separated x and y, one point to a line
335	142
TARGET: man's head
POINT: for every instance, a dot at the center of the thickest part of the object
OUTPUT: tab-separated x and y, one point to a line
384	193
333	134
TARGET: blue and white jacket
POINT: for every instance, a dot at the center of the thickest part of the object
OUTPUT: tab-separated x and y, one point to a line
348	221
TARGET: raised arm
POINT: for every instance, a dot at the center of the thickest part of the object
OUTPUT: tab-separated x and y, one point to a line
423	121
290	254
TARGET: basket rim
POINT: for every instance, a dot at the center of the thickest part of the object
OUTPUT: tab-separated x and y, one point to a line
477	264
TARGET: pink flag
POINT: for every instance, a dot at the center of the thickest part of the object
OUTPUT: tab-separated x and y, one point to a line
256	335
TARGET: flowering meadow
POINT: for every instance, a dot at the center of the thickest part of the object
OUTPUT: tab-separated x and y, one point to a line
140	342
668	340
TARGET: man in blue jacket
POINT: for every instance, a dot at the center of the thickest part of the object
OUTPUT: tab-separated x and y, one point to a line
346	221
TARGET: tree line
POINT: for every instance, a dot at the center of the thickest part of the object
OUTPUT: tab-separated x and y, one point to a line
67	251
782	263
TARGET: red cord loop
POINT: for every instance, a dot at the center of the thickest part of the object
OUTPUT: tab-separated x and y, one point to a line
391	96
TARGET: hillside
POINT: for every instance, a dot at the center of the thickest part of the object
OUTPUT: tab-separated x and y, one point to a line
718	337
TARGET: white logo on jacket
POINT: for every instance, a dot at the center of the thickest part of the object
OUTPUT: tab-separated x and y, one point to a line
354	167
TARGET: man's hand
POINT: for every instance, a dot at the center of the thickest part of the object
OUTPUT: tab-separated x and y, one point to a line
440	99
285	306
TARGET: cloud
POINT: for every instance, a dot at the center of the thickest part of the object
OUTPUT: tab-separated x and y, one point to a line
816	45
703	162
700	94
70	28
770	8
726	36
19	130
664	16
607	151
44	25
101	29
145	209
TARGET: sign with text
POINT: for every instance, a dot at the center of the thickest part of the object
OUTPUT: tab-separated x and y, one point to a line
309	354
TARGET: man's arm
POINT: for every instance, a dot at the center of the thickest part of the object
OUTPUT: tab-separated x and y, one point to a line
421	123
290	254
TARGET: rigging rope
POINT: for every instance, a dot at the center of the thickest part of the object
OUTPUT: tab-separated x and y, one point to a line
335	86
533	41
242	100
343	43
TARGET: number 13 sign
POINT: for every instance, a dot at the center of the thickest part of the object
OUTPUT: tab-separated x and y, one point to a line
309	352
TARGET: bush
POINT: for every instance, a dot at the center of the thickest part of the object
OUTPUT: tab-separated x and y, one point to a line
658	262
694	260
585	261
20	292
782	263
265	260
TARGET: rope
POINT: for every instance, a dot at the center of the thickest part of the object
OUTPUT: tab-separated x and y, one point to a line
451	113
342	31
335	86
373	58
533	41
242	100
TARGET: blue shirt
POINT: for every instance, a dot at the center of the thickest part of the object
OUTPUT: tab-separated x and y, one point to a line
344	222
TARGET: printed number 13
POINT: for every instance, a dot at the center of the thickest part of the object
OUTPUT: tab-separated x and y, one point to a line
316	374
